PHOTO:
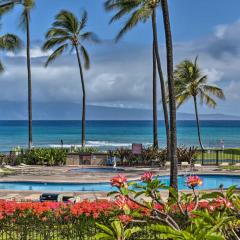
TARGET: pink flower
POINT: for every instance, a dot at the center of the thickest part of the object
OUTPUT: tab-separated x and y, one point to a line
223	202
118	181
121	202
147	177
194	181
125	219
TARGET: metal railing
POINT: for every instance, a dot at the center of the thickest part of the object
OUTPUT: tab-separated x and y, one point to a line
218	156
55	231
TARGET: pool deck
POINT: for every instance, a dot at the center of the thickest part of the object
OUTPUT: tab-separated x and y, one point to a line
66	175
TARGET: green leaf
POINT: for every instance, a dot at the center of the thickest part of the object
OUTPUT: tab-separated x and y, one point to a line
113	193
105	229
124	191
129	232
103	236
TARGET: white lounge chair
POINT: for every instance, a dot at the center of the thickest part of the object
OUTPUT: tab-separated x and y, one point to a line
224	164
197	166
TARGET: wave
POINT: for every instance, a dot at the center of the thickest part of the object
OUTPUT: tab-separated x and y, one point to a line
97	144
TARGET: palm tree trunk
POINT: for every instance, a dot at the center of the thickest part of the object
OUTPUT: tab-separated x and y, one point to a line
197	120
155	116
172	100
162	82
29	83
83	99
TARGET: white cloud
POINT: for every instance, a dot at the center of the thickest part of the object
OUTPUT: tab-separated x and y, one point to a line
121	75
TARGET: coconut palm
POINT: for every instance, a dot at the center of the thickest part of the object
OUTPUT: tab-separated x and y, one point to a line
9	42
141	11
191	83
171	94
27	5
68	33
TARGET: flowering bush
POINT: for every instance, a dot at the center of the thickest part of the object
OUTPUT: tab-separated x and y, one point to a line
137	209
199	216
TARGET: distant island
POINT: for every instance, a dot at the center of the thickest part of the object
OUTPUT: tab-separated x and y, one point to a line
71	111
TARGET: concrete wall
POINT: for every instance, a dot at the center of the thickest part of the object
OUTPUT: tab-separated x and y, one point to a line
98	159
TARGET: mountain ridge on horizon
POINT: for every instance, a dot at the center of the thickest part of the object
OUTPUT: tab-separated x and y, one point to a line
72	111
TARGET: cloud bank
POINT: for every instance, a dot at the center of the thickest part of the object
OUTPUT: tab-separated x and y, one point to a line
121	74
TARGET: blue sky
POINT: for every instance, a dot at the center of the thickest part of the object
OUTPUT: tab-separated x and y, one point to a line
190	19
205	28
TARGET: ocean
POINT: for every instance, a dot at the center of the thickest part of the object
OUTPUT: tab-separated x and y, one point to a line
113	134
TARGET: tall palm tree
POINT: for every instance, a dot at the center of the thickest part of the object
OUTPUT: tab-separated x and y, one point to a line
141	11
9	42
191	83
68	32
171	94
7	5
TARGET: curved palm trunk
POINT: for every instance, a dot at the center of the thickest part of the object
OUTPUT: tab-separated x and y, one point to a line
83	99
172	100
29	83
155	117
162	83
197	120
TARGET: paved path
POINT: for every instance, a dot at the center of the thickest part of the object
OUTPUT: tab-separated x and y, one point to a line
65	174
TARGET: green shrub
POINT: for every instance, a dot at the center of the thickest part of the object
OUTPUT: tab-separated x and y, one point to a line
84	150
41	156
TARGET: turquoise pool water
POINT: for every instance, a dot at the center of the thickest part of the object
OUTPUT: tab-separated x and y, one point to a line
209	182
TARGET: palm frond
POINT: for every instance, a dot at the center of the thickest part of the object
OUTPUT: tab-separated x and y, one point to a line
23	19
1	67
83	21
10	42
202	80
56	32
182	98
85	57
214	90
6	7
89	36
56	54
124	9
54	42
209	101
141	14
68	20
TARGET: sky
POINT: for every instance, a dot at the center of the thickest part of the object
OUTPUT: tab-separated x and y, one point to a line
120	73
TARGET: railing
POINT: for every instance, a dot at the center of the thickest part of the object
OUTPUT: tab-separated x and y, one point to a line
218	156
78	230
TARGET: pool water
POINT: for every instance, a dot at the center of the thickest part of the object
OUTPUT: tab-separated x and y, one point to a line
209	182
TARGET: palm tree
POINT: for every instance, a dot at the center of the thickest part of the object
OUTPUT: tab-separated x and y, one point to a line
67	32
191	83
171	94
9	42
7	5
141	11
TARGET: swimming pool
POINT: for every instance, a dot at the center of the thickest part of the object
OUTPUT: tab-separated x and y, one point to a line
97	170
209	182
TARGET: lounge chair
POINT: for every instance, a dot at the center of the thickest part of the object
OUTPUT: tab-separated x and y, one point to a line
197	166
237	164
224	164
184	165
167	164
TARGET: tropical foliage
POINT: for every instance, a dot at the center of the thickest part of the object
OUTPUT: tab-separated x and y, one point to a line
68	33
43	156
141	11
24	23
190	82
136	211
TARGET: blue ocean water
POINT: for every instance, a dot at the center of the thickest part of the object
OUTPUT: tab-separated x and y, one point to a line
112	134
